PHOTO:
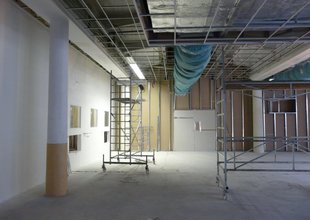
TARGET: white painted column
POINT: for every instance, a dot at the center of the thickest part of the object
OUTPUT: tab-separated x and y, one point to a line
56	165
258	123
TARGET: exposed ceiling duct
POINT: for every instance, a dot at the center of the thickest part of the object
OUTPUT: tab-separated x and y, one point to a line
190	62
299	72
253	33
284	63
223	21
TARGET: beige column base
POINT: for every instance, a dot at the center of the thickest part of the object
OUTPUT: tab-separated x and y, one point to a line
56	183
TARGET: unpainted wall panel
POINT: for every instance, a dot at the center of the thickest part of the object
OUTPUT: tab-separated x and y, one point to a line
195	96
182	102
280	130
154	116
291	127
301	114
248	118
269	130
205	93
237	111
199	97
165	117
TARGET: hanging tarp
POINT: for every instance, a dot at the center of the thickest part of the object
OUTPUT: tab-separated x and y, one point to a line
189	63
299	72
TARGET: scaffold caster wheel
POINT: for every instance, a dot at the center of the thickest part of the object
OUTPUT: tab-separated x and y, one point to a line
104	168
225	193
117	159
153	160
225	196
147	168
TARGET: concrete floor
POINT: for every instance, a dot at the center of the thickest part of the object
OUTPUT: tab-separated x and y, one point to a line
180	186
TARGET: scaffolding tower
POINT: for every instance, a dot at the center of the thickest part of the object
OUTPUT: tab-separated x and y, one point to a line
127	135
287	153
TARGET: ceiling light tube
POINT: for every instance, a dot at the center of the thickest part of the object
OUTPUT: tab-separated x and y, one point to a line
137	70
135	67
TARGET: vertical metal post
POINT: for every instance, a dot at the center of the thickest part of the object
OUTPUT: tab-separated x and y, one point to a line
242	118
307	119
232	126
130	116
149	116
111	129
190	101
159	119
224	121
174	102
285	130
264	118
199	93
212	92
217	136
274	130
285	125
293	154
275	135
296	119
140	123
171	142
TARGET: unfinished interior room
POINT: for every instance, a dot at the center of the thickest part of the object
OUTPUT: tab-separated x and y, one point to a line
154	109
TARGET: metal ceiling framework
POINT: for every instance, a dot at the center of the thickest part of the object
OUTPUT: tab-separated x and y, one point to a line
115	25
250	31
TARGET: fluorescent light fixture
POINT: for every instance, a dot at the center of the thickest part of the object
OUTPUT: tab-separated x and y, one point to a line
270	79
137	70
135	67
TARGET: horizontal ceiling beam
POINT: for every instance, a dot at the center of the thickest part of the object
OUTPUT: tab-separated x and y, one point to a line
259	85
297	56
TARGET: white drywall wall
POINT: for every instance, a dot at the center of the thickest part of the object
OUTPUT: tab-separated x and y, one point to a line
24	55
24	64
186	138
89	87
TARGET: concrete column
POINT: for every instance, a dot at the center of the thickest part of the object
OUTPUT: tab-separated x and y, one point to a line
56	159
258	123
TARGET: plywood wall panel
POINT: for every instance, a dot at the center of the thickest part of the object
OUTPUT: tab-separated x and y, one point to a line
238	119
165	116
248	118
269	130
280	130
205	93
182	102
195	96
200	97
301	113
154	115
291	126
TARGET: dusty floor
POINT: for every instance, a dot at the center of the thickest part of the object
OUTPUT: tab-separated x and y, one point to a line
180	186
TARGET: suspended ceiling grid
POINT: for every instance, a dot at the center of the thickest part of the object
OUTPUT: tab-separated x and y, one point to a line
253	33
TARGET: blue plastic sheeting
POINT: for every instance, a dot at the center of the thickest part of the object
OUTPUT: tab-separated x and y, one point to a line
190	62
299	72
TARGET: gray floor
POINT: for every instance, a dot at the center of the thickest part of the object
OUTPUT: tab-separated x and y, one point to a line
180	186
